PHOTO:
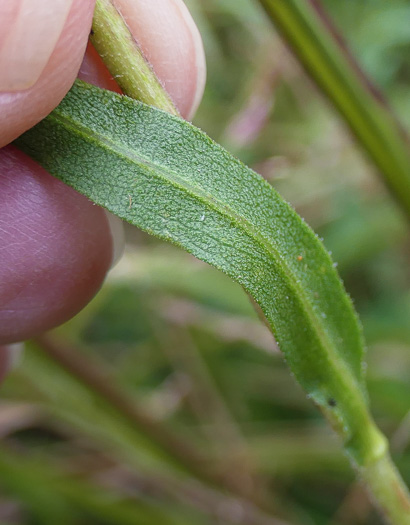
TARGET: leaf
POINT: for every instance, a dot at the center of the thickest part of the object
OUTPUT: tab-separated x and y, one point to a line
165	176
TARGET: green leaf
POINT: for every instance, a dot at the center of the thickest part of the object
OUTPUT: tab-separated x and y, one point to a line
163	175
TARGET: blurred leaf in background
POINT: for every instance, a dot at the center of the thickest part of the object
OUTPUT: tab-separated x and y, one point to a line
180	344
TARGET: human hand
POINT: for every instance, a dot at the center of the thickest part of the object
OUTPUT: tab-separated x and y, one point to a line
55	246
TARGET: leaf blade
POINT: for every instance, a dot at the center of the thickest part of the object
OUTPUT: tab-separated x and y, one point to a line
168	178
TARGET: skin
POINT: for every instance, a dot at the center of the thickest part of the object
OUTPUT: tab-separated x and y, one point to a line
55	246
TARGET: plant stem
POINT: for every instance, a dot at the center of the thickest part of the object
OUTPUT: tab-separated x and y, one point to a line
321	50
388	490
121	54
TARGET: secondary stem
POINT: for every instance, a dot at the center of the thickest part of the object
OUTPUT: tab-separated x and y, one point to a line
319	48
121	54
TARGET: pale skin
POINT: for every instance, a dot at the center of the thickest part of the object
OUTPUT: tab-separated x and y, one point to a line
55	246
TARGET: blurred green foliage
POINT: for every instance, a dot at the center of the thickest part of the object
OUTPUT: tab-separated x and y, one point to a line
182	343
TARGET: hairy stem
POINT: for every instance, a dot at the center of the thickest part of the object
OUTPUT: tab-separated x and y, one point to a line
121	54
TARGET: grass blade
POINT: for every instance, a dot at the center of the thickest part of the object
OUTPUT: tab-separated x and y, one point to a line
316	44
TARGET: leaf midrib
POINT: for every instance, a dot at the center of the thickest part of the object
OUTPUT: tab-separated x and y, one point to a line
168	175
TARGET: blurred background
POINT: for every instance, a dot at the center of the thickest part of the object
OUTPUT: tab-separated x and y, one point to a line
166	401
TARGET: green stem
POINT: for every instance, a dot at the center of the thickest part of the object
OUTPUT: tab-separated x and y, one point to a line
388	490
317	45
118	49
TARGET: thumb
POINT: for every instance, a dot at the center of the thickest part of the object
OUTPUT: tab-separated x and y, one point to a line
42	44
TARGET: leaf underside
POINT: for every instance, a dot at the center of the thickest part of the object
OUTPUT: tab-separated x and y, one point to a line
167	177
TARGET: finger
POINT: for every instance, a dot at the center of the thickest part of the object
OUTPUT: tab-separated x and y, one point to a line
172	44
55	249
42	44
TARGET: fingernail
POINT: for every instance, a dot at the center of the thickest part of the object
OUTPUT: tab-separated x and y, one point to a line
29	35
118	238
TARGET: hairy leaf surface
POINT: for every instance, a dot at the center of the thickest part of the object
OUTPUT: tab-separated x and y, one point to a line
167	177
